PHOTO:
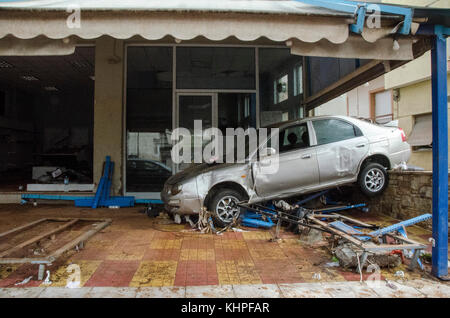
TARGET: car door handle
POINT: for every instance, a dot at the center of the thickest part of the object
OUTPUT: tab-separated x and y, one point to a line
360	145
306	156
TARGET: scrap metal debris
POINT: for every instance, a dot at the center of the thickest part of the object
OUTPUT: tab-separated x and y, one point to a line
399	274
25	281
47	280
390	285
358	243
284	205
205	223
347	256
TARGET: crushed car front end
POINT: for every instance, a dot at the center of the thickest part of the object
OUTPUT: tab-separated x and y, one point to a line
185	193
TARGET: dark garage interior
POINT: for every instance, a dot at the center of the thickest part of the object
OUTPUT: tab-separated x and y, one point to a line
46	118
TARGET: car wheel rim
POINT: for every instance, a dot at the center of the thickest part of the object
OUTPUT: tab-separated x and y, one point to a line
227	208
374	180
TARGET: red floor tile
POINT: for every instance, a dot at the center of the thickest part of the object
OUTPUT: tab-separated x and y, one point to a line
113	273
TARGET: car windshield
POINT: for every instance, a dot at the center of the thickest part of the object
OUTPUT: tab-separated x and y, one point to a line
240	152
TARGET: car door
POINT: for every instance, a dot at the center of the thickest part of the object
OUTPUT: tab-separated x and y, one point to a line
296	170
340	147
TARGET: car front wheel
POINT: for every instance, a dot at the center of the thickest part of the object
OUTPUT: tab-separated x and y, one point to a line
373	179
223	206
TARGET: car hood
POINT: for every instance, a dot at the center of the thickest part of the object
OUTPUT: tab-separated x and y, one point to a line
197	169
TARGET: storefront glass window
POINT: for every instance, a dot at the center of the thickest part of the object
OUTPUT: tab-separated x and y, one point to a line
215	68
149	118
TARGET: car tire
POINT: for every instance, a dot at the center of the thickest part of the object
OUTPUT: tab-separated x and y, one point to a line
373	179
223	206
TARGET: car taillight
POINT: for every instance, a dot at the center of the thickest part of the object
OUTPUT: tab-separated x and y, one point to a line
403	134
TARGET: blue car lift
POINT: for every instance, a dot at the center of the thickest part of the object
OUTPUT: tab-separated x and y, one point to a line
102	196
254	219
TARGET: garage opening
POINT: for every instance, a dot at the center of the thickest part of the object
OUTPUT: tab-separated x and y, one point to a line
46	122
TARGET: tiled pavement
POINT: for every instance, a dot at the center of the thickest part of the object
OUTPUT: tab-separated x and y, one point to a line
137	252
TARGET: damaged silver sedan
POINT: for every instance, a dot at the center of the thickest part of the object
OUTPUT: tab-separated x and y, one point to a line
314	154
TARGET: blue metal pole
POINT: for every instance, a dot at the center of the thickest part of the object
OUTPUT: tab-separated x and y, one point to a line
440	155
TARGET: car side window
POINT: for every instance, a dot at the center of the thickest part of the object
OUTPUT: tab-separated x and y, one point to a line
333	130
295	137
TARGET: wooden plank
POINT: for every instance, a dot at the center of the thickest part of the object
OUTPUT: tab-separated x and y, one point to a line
21	228
391	247
354	221
57	253
337	232
24	260
338	216
81	238
404	239
38	238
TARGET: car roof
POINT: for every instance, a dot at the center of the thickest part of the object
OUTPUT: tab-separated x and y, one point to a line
288	123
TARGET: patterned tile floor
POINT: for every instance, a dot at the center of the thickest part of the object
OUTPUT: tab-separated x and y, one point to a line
136	251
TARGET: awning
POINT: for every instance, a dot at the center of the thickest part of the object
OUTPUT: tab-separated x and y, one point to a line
240	6
357	47
422	133
245	20
183	26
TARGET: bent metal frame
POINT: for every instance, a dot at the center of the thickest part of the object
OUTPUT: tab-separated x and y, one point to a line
319	221
43	261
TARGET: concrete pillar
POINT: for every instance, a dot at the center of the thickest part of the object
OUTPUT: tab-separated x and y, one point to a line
108	110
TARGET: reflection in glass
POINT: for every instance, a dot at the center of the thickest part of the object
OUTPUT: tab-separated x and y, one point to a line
215	68
149	118
234	110
191	108
280	87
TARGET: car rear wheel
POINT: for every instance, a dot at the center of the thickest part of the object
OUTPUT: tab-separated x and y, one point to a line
223	206
373	179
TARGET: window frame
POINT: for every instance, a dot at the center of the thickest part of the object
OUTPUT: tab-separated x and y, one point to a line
357	131
373	105
305	123
276	99
424	147
297	80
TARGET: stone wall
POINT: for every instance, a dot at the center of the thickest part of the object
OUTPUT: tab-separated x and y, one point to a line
409	194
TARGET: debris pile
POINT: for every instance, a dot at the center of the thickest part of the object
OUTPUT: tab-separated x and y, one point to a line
348	257
355	244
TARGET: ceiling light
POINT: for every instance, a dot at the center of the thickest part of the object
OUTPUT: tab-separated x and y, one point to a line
50	88
29	78
4	64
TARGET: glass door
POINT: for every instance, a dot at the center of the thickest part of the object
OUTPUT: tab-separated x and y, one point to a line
196	106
